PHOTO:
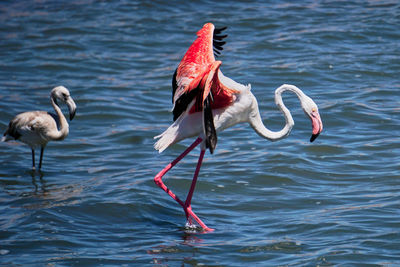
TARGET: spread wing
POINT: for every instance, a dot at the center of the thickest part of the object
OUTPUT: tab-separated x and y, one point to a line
196	81
194	66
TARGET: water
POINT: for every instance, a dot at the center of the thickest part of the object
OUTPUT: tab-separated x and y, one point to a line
334	202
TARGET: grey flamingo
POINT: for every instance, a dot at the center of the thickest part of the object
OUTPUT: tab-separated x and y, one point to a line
37	128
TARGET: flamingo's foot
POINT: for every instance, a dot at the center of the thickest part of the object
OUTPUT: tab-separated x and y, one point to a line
208	230
194	228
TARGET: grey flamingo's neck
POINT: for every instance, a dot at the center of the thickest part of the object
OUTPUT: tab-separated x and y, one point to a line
59	134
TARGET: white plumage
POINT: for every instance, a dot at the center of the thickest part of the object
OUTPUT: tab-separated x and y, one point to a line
243	109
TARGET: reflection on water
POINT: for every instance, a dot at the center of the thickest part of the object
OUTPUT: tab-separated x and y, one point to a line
164	254
42	195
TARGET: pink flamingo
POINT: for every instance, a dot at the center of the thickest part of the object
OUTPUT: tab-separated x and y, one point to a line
206	102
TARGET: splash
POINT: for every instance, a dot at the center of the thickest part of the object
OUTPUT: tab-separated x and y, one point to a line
192	228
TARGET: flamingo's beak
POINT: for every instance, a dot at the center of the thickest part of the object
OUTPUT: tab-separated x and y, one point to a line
72	108
316	125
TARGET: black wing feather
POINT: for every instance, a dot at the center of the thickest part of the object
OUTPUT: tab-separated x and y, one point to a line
209	128
12	130
217	40
174	84
183	102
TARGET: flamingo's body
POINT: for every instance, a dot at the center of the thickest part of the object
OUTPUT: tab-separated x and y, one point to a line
190	124
206	102
37	128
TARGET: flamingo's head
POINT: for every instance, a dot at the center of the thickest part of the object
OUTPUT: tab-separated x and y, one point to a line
311	110
61	93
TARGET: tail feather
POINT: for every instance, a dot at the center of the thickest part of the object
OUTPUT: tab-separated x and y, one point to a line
187	125
7	137
165	139
169	136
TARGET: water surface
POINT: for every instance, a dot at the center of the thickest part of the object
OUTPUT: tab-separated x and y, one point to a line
333	202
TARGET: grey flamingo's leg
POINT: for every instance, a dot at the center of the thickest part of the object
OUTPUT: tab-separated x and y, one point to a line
33	159
41	157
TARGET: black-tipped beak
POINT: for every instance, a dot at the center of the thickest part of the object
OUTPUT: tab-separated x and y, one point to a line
72	114
313	137
316	125
71	107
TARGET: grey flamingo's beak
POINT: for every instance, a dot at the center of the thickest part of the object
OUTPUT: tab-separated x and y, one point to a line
316	125
71	107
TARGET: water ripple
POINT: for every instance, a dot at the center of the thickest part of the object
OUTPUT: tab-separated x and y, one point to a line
333	202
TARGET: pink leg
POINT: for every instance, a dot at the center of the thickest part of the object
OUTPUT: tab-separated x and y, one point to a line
193	185
159	182
188	207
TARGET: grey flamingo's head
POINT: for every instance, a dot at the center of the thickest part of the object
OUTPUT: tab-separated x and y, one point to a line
62	94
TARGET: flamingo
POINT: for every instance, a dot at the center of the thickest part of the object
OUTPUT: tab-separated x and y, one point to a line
37	128
206	102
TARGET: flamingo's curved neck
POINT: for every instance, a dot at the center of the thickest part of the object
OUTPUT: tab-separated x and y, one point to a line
61	133
258	125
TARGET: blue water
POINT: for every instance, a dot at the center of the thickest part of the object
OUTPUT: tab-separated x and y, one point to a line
335	202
